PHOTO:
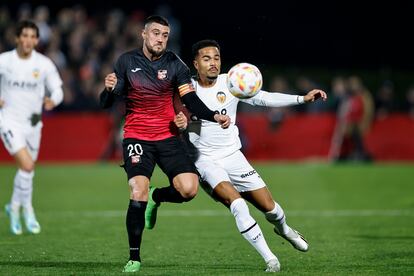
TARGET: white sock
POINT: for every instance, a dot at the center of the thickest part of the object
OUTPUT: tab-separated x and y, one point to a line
22	190
278	219
249	229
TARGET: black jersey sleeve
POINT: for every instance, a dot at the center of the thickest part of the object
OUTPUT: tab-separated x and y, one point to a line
120	72
197	107
106	99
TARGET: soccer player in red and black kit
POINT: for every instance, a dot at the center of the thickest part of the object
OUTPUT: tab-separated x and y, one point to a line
147	79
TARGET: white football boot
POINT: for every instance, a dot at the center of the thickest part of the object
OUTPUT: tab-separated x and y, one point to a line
295	239
273	266
32	225
14	216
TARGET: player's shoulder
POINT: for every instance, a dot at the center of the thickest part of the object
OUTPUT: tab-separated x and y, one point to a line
42	59
172	57
6	55
129	54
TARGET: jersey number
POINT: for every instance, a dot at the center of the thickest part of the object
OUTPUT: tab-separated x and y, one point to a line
222	112
134	149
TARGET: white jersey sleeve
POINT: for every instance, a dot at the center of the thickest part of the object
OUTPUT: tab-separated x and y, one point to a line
274	99
53	82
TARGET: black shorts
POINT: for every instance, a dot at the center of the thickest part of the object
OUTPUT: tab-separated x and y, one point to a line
170	154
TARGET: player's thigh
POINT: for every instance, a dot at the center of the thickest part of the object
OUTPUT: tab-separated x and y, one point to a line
33	138
14	139
139	157
243	176
173	160
211	173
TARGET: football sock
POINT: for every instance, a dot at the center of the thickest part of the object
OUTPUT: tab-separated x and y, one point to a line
22	190
249	228
168	194
278	219
135	222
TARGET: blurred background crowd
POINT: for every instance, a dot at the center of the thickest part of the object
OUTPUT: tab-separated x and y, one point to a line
85	43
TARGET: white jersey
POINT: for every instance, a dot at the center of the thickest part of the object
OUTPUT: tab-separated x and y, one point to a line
216	142
23	86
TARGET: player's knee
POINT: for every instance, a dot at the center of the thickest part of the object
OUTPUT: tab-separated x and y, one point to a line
189	193
27	167
138	192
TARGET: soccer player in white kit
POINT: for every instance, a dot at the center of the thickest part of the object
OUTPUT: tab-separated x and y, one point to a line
223	168
25	75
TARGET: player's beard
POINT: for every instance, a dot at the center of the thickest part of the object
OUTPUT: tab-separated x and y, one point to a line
154	53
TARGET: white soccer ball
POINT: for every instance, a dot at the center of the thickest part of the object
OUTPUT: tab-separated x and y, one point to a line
244	80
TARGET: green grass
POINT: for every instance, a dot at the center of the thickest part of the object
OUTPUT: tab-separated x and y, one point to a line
359	220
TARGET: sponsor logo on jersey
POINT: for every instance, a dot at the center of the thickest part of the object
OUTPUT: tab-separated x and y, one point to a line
162	74
221	97
24	85
244	175
36	73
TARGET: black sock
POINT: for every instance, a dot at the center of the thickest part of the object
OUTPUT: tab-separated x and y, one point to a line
168	194
135	222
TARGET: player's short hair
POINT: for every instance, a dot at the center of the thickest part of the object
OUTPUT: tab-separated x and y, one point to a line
203	44
26	24
156	19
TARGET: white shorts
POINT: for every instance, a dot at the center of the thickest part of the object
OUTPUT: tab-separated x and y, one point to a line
234	168
16	137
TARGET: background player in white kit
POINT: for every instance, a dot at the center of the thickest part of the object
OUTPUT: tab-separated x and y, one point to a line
25	75
222	166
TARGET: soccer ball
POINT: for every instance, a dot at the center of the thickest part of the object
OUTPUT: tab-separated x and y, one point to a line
244	80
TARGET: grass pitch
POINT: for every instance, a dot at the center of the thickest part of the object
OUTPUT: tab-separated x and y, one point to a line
359	220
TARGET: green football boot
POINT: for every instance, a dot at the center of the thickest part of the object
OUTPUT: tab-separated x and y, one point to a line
151	210
132	266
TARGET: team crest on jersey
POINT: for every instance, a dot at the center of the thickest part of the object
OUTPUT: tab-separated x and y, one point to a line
162	74
36	73
135	159
221	97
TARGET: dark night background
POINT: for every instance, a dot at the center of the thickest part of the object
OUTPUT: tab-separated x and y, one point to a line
331	34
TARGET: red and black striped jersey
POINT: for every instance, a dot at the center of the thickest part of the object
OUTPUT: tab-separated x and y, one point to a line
148	88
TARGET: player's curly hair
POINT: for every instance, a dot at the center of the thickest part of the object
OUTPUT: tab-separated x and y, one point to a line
203	44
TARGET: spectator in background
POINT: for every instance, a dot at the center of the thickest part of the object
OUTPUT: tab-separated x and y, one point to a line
410	102
384	100
354	117
277	114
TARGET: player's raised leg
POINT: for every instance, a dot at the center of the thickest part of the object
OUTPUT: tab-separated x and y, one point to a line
184	188
262	200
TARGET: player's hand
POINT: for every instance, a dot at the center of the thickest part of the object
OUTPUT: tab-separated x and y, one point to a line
223	120
315	94
1	103
48	104
110	82
180	121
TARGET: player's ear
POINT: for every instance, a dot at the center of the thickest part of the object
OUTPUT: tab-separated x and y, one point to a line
195	63
143	34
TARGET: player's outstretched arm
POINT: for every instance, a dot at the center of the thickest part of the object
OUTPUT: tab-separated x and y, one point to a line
315	94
